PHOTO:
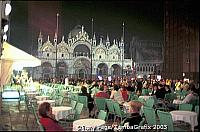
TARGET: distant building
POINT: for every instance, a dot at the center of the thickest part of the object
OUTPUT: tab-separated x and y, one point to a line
181	26
147	57
74	57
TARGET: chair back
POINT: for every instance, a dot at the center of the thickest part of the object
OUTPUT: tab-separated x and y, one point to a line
166	118
133	97
100	103
110	106
83	100
102	115
117	109
196	109
78	109
73	104
149	102
187	107
150	115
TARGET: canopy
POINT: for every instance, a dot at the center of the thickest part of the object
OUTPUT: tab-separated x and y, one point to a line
14	58
18	56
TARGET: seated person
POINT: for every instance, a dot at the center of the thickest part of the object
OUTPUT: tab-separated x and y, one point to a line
193	95
47	118
116	95
135	118
90	99
102	93
124	93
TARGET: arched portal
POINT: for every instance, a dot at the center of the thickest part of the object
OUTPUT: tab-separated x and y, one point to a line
102	69
47	70
61	69
82	68
81	50
115	70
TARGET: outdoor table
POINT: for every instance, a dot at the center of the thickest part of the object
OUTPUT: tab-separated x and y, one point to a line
186	116
61	112
87	124
43	97
52	102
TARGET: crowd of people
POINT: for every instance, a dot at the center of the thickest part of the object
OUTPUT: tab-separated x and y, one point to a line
119	91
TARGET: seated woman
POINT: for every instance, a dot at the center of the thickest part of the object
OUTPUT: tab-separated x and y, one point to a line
47	118
135	118
116	95
90	99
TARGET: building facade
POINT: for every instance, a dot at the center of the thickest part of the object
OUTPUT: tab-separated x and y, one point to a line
181	25
147	57
72	57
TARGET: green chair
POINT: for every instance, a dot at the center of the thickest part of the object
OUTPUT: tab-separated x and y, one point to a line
83	100
110	107
149	102
133	97
118	111
196	109
165	119
187	107
150	115
141	100
100	103
102	115
73	104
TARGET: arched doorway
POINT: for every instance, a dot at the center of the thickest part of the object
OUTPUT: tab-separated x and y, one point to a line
82	68
81	50
102	69
61	69
46	70
115	70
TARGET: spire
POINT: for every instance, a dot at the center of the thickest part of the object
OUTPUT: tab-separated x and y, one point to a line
114	42
94	37
40	34
101	40
48	38
82	29
63	38
55	38
107	41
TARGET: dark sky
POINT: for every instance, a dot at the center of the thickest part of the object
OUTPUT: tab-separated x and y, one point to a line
143	19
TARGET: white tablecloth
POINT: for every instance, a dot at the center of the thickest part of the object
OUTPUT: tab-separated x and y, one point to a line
87	124
145	97
52	102
31	94
61	112
40	98
177	101
186	116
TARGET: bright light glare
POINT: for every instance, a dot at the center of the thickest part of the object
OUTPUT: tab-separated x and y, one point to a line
5	29
8	9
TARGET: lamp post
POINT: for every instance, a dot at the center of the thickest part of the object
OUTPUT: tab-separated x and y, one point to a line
55	41
122	48
91	52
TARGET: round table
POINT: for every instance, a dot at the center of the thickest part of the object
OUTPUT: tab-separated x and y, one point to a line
40	98
61	112
52	102
186	116
87	124
31	94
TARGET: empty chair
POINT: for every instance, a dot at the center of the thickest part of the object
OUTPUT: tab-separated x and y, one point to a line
73	104
118	111
187	107
100	103
150	115
102	115
149	102
165	119
110	107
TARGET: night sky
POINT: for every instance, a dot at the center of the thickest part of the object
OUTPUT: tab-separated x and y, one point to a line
143	19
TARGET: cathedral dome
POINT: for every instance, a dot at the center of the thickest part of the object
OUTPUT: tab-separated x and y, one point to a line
75	31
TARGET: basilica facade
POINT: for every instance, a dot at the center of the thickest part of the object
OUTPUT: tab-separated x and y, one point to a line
81	56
